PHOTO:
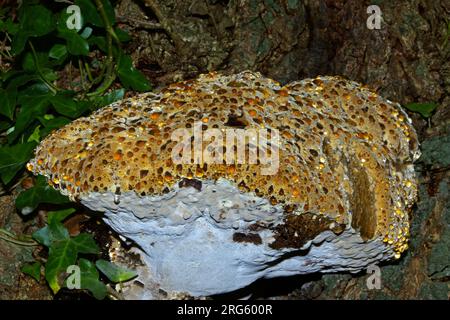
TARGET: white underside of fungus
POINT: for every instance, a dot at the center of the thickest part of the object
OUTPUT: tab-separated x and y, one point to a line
187	239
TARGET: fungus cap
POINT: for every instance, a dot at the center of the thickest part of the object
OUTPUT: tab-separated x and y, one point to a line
338	201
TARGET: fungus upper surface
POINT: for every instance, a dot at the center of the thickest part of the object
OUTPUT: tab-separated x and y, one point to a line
345	154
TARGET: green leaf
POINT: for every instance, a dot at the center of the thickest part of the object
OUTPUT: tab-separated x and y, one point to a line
425	109
65	105
122	35
76	45
18	42
29	61
114	272
90	279
62	254
13	159
10	27
32	92
109	98
35	136
100	42
60	215
49	74
6	75
8	102
58	51
130	76
43	236
29	199
34	103
36	20
33	270
54	231
19	79
85	243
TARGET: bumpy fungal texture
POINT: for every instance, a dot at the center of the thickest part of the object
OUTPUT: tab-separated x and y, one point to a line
346	153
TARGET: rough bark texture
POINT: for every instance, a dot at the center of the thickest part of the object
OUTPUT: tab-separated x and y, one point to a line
14	284
407	60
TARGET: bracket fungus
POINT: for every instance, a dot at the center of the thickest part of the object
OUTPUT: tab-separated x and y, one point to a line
338	201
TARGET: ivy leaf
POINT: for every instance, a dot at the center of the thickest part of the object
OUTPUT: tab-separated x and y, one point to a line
10	27
19	79
26	117
62	254
60	215
85	243
33	270
113	272
54	231
29	61
109	98
28	200
34	21
13	159
100	42
65	105
8	102
34	103
425	109
90	279
18	43
76	44
130	76
35	136
58	51
6	75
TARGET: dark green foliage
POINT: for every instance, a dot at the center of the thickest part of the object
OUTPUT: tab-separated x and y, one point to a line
33	270
113	272
41	192
65	251
35	99
425	109
42	45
